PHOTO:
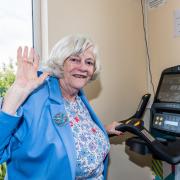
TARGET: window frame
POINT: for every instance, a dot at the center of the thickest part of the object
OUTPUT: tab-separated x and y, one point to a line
40	28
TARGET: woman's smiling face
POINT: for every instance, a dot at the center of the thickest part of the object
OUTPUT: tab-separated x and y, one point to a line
79	69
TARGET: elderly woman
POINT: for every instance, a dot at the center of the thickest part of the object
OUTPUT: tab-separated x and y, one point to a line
48	129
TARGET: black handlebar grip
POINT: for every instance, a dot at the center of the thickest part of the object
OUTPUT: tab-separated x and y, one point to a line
142	106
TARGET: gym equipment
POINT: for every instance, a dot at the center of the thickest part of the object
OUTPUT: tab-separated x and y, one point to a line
169	152
163	137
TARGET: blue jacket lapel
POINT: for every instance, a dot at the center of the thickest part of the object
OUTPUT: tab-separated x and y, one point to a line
60	120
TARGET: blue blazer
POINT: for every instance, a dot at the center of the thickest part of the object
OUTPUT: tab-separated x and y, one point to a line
37	143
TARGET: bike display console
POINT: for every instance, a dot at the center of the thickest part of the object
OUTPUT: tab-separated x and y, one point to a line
165	110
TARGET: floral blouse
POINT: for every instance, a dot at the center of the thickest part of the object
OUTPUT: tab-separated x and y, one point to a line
90	141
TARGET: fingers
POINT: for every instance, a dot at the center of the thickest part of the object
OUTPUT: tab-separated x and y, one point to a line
111	128
19	54
25	53
28	57
31	55
33	58
36	60
118	133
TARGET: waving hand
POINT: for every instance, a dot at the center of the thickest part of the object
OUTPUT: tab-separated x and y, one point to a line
26	80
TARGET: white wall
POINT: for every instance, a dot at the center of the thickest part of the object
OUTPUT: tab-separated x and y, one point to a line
164	46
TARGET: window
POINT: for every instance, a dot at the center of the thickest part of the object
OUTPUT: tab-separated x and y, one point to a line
16	28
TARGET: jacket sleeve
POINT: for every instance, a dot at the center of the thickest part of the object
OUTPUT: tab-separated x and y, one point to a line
8	125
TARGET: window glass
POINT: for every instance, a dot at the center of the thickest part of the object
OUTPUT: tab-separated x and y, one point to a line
16	28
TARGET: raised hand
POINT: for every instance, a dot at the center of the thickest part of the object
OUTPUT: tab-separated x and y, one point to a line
28	64
25	82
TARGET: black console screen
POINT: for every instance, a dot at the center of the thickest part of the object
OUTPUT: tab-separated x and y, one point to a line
170	88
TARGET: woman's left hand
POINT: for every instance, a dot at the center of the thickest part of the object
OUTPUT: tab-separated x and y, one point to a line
110	128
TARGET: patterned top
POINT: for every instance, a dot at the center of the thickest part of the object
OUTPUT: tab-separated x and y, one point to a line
91	144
